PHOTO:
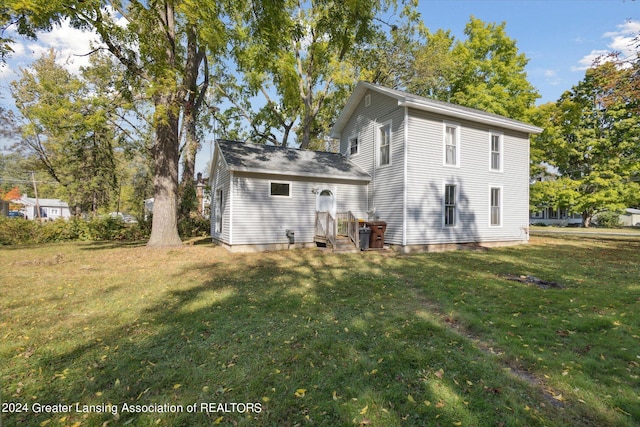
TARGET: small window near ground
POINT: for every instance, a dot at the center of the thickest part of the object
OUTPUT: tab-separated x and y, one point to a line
281	189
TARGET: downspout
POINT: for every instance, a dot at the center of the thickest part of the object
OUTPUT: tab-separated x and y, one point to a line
405	177
230	208
375	163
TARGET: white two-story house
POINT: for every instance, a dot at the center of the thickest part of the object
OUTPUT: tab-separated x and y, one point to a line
439	175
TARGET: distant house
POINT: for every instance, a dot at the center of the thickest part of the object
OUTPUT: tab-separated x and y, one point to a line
437	174
49	208
555	216
630	218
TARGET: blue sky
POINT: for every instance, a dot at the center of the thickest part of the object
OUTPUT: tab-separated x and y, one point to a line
560	37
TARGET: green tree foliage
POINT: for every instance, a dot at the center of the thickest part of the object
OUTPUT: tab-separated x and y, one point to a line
68	129
484	71
159	44
592	138
301	58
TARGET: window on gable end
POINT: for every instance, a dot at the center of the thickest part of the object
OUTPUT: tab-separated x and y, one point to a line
384	144
353	145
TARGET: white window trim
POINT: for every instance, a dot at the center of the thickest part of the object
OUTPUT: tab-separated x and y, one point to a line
281	182
351	138
500	135
458	128
378	141
456	218
491	187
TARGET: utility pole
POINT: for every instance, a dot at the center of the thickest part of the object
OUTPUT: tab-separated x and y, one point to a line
35	190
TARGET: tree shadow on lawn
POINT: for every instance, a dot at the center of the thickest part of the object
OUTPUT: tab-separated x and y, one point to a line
578	324
310	338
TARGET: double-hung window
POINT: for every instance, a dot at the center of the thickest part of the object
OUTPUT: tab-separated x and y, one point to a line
451	144
384	143
496	206
353	145
450	205
496	152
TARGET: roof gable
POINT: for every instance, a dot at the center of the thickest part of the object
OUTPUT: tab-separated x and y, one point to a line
426	104
269	159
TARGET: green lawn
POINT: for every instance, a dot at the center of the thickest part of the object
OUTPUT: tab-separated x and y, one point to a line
310	338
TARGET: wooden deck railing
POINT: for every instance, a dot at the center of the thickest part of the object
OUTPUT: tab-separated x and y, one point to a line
328	228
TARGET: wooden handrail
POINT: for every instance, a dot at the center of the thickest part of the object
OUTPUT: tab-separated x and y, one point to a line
345	223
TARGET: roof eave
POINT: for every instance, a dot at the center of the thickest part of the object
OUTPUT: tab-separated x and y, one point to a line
298	174
478	117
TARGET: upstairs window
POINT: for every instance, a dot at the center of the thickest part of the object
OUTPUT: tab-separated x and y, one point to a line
496	152
353	145
451	144
384	142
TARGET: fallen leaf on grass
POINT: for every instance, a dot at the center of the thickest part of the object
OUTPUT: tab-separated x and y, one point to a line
300	392
364	410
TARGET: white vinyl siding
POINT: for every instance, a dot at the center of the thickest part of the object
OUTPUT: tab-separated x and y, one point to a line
259	218
385	195
428	173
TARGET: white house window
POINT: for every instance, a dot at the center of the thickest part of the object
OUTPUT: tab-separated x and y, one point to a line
451	144
496	152
219	210
496	206
385	144
367	100
280	189
450	205
353	145
53	211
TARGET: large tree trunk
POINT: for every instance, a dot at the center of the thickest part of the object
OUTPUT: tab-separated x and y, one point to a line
164	228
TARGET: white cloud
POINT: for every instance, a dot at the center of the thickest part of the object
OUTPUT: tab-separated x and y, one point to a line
588	60
623	41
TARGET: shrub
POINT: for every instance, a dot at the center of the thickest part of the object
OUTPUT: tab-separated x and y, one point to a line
18	231
608	219
194	226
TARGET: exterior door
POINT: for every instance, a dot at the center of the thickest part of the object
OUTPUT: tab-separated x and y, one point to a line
326	202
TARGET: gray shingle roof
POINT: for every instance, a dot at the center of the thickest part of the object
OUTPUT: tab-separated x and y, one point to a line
259	158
